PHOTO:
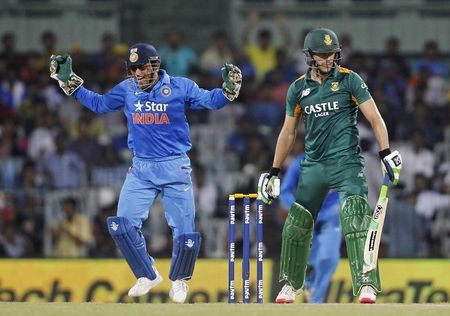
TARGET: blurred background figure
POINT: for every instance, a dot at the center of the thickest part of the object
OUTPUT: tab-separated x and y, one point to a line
72	234
177	57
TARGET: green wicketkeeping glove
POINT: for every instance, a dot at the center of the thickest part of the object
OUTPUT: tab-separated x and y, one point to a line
232	81
61	70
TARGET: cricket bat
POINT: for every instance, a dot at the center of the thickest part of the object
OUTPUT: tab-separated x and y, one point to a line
373	238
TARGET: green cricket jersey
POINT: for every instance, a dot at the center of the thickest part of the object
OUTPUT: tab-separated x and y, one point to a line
329	112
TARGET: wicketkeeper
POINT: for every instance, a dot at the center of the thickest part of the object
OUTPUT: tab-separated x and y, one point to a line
154	104
327	98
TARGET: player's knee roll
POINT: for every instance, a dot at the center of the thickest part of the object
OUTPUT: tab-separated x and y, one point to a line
299	222
355	214
118	225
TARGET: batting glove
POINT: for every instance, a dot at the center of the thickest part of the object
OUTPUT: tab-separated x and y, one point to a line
61	70
269	186
391	164
232	81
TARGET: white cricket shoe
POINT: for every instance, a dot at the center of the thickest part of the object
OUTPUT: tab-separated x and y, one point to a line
178	292
143	285
287	294
368	295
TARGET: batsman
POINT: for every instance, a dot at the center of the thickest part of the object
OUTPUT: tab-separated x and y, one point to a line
327	98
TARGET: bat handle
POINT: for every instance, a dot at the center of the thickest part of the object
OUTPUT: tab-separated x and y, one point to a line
386	179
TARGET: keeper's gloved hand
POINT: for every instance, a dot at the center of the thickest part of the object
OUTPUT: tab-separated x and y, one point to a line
391	163
232	81
61	70
269	186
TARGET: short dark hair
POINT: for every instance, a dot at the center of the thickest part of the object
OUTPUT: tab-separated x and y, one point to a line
70	200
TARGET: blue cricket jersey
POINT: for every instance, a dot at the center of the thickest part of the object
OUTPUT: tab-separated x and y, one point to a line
330	206
157	124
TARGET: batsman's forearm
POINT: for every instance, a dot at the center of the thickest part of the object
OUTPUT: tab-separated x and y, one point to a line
381	133
284	145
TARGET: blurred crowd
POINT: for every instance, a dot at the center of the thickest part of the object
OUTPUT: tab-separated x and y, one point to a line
61	166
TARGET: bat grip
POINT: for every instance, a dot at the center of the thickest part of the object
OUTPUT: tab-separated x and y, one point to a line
386	179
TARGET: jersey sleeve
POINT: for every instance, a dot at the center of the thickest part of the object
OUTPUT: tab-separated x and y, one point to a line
292	106
198	98
98	103
358	89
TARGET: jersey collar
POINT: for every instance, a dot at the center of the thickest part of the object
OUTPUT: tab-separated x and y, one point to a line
164	79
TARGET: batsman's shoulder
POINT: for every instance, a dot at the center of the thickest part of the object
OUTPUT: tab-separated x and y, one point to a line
301	78
299	82
344	70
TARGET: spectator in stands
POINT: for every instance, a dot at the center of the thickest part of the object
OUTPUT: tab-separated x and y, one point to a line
86	146
430	61
265	111
64	168
428	83
177	58
421	118
205	194
41	141
72	234
13	90
12	243
393	84
392	56
218	53
8	53
48	43
347	51
428	202
109	171
263	52
404	231
417	158
296	55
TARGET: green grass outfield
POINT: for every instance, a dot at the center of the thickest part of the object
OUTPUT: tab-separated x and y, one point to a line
208	309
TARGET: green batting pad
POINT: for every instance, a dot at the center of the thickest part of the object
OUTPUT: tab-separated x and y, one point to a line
296	241
355	220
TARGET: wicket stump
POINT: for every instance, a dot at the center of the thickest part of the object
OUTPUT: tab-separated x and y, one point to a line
246	247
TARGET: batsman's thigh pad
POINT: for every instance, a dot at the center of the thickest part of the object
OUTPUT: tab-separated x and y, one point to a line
132	245
296	241
355	220
186	249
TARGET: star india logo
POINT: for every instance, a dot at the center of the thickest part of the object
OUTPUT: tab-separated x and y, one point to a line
114	226
189	243
327	40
